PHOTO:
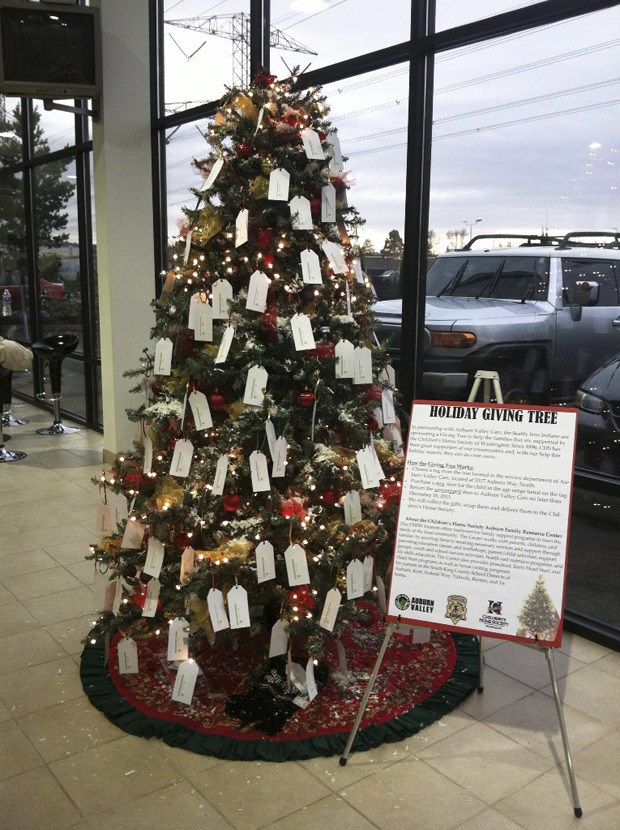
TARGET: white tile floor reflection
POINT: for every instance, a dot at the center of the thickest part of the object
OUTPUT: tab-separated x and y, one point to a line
491	763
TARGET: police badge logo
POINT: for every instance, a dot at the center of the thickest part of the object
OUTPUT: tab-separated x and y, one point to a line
456	608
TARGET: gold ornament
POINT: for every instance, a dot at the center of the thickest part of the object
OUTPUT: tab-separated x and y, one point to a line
209	222
169	492
235	409
245	106
259	187
268	165
201	617
220	118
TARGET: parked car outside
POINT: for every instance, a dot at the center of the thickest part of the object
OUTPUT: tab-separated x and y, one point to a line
386	284
47	289
598	432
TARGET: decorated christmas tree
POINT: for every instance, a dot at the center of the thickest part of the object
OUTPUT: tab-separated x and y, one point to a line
538	614
260	500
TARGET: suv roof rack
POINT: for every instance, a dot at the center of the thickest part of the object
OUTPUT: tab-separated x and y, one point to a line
571	239
531	239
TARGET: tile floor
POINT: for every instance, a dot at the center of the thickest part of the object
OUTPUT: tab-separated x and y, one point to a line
497	761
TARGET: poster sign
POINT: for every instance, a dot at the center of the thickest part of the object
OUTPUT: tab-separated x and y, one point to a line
483	528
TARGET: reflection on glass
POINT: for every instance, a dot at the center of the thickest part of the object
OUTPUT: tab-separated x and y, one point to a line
183	145
54	129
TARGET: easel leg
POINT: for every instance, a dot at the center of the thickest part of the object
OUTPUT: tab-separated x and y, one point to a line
480	664
364	702
560	711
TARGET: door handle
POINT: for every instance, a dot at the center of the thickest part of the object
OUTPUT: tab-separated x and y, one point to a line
616	323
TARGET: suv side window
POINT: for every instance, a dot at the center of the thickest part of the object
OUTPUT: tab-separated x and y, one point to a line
590	270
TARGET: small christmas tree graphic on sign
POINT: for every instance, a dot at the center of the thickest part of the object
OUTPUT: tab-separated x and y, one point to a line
538	614
265	487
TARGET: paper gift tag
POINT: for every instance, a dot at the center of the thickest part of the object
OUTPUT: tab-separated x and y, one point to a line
118	507
254	386
378	466
259	472
203	323
355	579
368	564
335	256
200	410
147	463
214	173
311	268
195	300
188	247
421	634
257	292
133	535
182	458
330	609
345	362
241	227
221	295
227	339
163	357
381	598
312	144
301	215
392	433
279	182
265	562
278	643
302	332
185	682
296	566
368	468
357	270
342	659
101	583
377	414
328	203
105	524
387	407
154	557
127	656
178	639
220	475
259	120
310	681
270	432
334	152
217	612
352	507
153	588
278	469
347	292
238	608
187	562
362	365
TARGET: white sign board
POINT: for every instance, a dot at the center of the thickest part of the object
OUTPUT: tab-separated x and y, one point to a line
483	527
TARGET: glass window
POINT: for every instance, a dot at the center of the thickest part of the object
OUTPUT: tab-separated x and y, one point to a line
450	14
53	129
583	279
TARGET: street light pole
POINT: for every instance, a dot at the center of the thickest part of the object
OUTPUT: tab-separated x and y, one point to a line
471	226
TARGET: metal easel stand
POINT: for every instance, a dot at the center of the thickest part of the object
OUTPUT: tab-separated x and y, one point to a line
488	378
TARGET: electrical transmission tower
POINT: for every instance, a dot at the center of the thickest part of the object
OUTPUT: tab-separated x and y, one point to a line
236	27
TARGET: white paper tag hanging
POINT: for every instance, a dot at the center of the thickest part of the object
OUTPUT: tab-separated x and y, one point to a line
238	608
301	214
182	458
101	584
163	357
127	656
278	643
368	468
378	466
302	332
352	507
147	463
265	562
330	609
116	595
296	566
200	410
153	588
154	557
133	535
241	227
178	639
188	247
220	475
357	270
387	407
227	339
355	579
345	359
421	635
257	292
188	560
368	565
312	144
214	173
381	596
334	152
259	120
328	203
259	472
362	365
335	256
347	292
221	295
342	659
118	507
197	299
387	375
203	323
311	268
254	386
310	681
270	432
105	525
185	682
217	612
278	469
279	183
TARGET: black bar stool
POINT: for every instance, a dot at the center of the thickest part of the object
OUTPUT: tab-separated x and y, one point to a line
53	350
8	419
6	455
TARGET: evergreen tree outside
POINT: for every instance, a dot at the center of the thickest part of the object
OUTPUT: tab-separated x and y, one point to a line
538	614
393	244
270	463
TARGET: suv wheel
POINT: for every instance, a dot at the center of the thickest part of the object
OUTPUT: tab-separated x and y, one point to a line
515	385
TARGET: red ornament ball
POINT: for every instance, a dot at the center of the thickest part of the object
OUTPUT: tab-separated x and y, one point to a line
305	398
231	502
243	149
268	260
325	349
315	206
216	400
264	237
330	497
373	425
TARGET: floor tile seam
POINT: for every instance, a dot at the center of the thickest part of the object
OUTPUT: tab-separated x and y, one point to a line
16	721
315	804
213	806
50	593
